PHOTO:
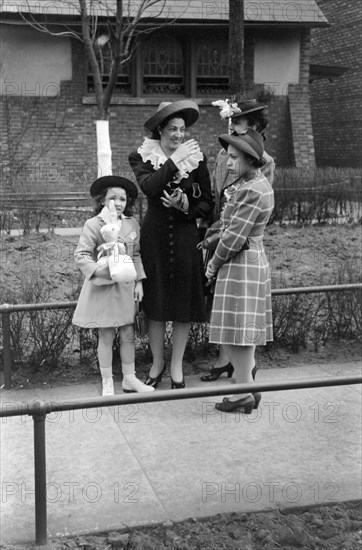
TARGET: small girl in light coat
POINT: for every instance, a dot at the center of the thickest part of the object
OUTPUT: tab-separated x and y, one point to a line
104	304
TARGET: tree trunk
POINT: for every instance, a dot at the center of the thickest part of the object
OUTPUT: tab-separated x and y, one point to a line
236	49
104	152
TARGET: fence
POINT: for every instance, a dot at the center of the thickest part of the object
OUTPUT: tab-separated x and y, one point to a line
7	309
39	410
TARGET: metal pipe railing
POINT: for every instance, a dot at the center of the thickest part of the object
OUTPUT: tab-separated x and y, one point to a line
7	309
40	409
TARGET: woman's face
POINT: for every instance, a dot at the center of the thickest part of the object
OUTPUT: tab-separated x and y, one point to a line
239	125
118	194
238	163
172	134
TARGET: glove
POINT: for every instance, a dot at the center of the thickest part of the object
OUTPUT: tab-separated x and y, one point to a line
177	200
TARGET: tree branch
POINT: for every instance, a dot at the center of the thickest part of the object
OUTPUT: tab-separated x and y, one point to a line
92	58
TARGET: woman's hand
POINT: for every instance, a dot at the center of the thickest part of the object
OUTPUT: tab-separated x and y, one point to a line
184	150
177	200
138	291
211	271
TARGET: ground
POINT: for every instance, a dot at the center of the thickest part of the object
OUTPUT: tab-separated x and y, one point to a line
299	256
337	527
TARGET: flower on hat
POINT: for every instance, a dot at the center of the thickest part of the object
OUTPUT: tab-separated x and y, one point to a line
227	109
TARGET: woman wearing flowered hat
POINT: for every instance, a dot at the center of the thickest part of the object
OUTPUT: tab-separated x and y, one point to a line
173	175
241	315
240	116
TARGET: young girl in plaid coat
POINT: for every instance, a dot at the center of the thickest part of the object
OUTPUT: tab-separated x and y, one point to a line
241	315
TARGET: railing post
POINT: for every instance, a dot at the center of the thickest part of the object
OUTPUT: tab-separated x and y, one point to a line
7	359
40	478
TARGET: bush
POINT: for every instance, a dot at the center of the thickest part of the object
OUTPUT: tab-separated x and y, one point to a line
319	195
38	337
300	319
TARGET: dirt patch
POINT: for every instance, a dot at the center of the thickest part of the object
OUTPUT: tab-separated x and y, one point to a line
40	268
337	527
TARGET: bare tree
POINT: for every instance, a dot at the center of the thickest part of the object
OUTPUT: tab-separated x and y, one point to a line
117	25
236	49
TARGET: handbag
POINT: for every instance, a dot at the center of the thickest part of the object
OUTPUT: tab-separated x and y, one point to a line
212	236
140	322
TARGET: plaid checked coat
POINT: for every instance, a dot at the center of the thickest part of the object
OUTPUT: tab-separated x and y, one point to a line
241	313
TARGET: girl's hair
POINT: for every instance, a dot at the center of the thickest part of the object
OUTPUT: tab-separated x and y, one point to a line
254	162
259	119
156	134
257	163
99	203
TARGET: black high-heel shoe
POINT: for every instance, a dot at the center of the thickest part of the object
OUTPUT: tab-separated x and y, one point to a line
177	385
257	399
155	381
245	405
214	374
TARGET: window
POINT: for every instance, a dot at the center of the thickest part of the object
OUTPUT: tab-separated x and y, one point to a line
163	66
181	62
104	58
211	66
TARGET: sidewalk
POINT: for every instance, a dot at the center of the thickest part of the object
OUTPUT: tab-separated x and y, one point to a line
128	466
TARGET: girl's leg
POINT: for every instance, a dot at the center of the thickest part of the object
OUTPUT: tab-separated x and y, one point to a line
156	335
105	353
242	358
179	340
127	352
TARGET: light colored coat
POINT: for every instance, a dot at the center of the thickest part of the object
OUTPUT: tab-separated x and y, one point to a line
108	305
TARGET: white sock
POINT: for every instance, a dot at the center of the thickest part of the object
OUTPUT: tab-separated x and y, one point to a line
131	383
106	372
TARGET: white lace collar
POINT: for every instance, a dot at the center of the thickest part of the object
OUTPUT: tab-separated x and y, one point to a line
151	150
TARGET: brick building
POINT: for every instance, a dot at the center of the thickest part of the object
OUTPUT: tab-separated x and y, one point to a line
48	109
336	88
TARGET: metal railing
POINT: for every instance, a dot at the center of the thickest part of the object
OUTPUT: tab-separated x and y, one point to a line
7	309
40	409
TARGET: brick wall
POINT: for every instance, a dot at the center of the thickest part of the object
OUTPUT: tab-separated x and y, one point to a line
336	105
300	110
52	141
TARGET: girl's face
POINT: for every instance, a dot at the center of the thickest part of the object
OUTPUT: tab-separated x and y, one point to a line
172	135
237	163
239	125
118	194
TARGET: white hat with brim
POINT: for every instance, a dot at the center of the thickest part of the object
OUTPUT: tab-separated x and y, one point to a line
185	109
251	143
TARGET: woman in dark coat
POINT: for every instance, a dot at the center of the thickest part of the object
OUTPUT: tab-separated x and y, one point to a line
174	177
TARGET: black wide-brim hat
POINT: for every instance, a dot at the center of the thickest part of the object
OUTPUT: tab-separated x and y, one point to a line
249	106
185	109
113	181
251	143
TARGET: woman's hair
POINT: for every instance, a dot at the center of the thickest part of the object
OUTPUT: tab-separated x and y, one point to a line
99	203
156	134
259	119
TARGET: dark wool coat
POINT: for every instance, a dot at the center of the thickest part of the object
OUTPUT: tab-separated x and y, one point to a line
173	289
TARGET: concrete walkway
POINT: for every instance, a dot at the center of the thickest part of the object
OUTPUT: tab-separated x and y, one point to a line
133	465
